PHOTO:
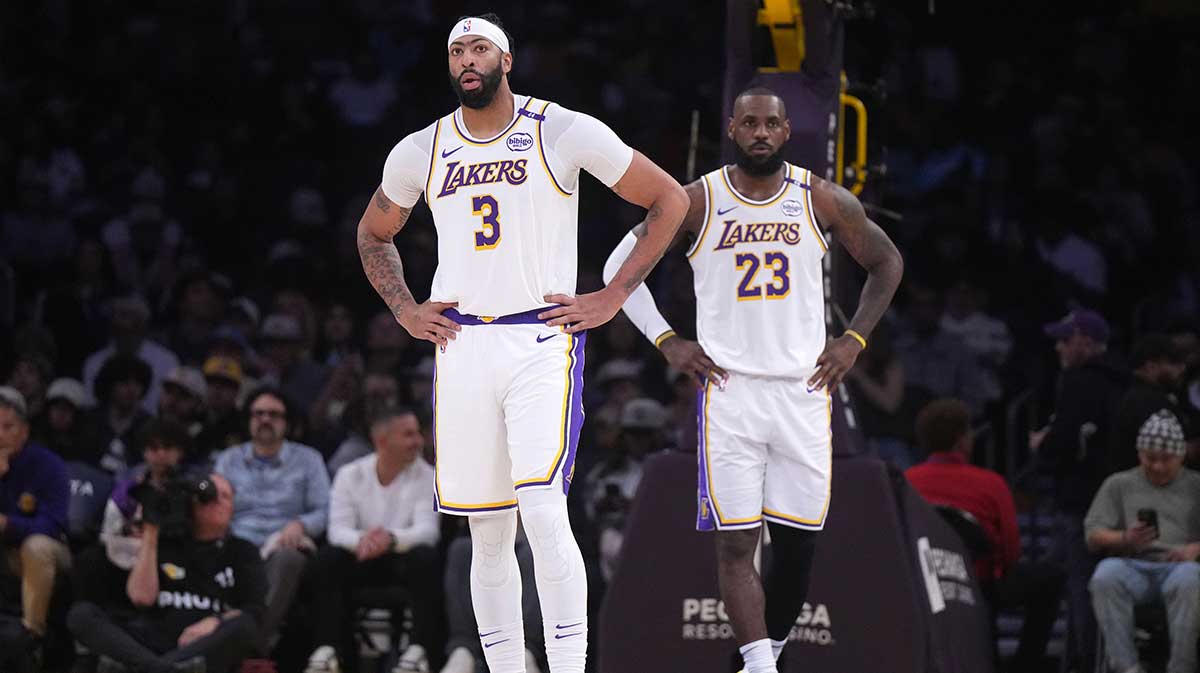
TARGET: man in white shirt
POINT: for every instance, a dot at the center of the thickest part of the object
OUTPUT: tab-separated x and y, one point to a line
382	532
129	324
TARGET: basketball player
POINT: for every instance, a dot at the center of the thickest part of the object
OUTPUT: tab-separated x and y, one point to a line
501	175
758	232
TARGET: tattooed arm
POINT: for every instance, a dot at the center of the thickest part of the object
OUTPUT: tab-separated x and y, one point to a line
646	185
839	212
381	262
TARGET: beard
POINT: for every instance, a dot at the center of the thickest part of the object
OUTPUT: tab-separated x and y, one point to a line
756	166
489	84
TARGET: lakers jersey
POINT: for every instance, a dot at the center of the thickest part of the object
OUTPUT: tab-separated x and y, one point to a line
760	302
505	207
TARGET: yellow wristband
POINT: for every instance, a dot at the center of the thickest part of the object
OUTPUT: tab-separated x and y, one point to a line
663	337
858	337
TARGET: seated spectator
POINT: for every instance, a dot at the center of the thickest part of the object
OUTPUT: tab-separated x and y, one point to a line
224	424
184	391
64	427
380	390
34	492
1157	374
1072	450
31	373
129	321
1144	519
936	362
947	477
984	335
198	597
613	483
877	383
282	500
121	386
381	533
164	444
288	364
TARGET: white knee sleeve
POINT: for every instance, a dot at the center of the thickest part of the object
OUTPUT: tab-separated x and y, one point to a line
493	559
557	563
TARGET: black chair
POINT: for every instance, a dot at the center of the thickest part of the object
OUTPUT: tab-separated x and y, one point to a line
973	535
382	611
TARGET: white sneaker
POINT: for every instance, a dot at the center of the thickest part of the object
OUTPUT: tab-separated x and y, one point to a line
323	660
461	661
412	661
531	665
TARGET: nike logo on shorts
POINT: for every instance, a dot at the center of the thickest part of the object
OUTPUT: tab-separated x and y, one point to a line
548	337
446	154
720	211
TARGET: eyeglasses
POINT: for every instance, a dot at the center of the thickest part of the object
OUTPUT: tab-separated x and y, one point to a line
267	413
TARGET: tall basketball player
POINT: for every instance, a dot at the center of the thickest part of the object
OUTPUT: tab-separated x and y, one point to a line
758	232
501	175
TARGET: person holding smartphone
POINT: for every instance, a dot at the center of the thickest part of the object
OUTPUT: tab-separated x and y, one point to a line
1146	520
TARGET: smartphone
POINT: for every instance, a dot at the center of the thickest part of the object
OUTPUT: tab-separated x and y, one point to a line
1149	517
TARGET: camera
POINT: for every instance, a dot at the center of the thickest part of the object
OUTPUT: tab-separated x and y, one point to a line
170	506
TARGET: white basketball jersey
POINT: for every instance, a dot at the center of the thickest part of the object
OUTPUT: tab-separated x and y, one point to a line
506	229
760	301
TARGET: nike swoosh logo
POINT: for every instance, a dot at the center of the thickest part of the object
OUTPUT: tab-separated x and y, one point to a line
546	338
719	211
497	642
485	635
446	154
560	636
568	626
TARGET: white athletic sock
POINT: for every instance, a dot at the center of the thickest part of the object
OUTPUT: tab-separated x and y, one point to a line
561	577
504	647
496	591
777	647
757	656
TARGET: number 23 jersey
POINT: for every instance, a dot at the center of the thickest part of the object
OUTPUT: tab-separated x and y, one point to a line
505	208
760	300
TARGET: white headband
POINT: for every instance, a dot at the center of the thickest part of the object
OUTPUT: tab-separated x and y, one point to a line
473	25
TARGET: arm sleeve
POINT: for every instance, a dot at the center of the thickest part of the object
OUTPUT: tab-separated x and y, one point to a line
342	532
1105	511
589	144
640	306
52	492
405	171
316	497
424	529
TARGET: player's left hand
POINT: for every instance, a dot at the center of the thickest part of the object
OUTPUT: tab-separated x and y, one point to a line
583	312
837	359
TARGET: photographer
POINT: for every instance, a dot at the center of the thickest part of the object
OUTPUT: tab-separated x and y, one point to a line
1145	520
198	596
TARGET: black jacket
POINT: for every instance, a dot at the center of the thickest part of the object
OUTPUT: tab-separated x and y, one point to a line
1075	450
1140	402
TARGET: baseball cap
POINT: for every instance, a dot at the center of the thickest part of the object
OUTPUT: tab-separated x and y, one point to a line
1088	323
12	398
188	378
218	367
643	413
280	327
1162	433
70	390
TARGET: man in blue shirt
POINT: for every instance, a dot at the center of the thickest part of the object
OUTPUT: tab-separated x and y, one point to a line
281	501
33	513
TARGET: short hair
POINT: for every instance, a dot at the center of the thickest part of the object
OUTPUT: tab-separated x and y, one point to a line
120	368
1155	348
762	91
273	392
166	434
387	414
491	17
942	423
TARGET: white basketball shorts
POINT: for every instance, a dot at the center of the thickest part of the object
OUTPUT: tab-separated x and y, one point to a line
507	411
765	452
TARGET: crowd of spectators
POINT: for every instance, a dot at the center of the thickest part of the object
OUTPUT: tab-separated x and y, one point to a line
180	291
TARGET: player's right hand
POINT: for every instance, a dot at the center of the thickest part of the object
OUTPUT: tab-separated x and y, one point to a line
425	321
689	358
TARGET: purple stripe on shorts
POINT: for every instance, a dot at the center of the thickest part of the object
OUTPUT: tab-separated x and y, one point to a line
437	498
575	424
705	516
525	318
476	510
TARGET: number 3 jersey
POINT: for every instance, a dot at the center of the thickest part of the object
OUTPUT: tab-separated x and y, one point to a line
760	301
505	208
